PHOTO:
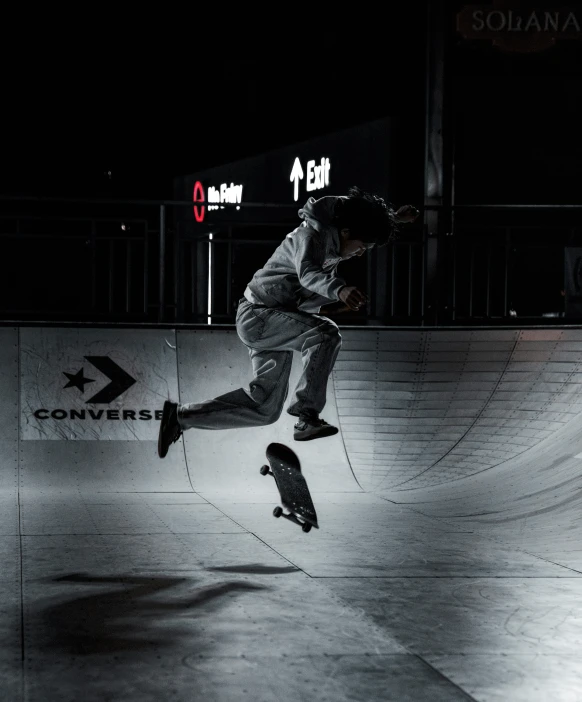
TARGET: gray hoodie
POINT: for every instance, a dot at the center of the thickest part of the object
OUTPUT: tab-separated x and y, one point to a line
301	273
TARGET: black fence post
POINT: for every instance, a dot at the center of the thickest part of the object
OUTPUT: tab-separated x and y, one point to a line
162	292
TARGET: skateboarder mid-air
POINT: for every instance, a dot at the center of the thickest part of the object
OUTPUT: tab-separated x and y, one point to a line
279	314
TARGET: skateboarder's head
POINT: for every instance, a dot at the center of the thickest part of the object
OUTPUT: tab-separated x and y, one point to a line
364	220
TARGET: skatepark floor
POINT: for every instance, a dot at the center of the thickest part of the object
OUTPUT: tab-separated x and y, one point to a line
447	565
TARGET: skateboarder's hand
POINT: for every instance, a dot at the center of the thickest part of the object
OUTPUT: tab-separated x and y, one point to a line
352	297
406	213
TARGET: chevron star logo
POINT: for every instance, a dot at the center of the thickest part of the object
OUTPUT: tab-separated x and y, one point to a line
120	380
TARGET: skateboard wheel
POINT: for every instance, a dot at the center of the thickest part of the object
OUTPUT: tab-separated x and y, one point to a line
265	470
277	512
306	528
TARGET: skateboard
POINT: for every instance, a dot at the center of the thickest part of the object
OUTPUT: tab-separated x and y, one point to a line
286	469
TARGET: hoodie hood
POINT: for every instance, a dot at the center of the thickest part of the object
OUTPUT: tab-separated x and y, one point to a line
318	214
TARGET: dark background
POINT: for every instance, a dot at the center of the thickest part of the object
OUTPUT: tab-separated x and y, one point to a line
147	98
112	103
152	107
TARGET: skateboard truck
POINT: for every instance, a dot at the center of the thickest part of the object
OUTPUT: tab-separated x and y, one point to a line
278	511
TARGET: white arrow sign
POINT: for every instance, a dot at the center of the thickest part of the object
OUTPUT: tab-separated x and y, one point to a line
296	175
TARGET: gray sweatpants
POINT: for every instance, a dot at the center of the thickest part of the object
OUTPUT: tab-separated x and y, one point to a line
271	335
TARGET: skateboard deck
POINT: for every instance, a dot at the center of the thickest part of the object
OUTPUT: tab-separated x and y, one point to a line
286	469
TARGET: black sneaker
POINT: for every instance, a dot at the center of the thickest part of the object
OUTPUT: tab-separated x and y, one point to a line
308	428
170	430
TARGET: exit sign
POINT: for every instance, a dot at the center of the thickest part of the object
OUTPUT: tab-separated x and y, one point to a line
317	175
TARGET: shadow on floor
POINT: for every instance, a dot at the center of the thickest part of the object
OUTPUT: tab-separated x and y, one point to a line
131	617
255	569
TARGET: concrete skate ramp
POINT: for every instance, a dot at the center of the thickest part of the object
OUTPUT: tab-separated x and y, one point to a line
480	426
115	569
70	443
8	431
90	404
420	409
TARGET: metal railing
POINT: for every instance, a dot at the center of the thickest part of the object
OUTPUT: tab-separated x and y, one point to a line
498	263
134	261
121	257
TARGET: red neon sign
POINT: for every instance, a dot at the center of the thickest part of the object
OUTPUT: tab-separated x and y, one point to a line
198	196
